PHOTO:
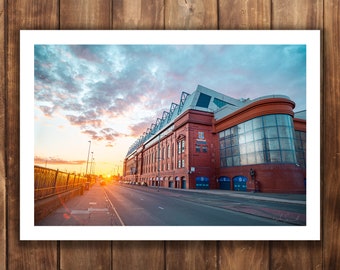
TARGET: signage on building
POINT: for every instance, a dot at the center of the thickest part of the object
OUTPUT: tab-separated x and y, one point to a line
201	139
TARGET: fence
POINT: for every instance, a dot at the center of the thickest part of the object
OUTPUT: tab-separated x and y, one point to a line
49	182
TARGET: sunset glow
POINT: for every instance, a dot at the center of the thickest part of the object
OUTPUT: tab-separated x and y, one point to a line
110	94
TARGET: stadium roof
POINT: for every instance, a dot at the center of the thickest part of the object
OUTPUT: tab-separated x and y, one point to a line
202	99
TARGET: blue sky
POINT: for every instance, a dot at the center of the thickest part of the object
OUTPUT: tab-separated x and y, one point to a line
111	94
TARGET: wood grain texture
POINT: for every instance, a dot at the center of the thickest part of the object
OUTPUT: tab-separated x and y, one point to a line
168	14
296	255
85	14
244	14
85	255
138	255
244	255
138	14
287	14
191	255
302	14
191	14
22	15
2	139
331	140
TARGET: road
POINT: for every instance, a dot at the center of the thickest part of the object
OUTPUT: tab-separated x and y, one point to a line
148	206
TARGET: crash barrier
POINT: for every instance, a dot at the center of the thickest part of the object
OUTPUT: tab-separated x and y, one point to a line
52	188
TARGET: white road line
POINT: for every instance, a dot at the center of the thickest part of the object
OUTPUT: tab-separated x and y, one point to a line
161	208
114	209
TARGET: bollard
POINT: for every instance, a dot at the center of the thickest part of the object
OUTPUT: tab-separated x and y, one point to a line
82	190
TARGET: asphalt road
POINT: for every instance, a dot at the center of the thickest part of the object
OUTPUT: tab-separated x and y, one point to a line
146	206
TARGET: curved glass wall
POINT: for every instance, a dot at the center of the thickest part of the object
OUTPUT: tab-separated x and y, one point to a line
300	147
264	139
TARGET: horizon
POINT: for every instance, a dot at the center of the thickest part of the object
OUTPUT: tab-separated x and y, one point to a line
110	94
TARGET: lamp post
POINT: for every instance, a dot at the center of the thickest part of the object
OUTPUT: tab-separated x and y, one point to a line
159	160
88	155
92	159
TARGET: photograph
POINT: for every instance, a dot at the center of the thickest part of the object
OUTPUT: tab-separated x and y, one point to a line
154	135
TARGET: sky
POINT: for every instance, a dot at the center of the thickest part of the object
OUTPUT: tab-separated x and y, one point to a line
101	98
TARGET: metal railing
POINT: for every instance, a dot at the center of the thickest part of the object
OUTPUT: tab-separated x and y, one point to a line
49	182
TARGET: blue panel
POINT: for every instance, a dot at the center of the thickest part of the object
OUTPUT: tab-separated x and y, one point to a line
202	182
240	183
203	100
224	182
219	103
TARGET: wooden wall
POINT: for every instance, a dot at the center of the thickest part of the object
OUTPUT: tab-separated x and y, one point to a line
168	14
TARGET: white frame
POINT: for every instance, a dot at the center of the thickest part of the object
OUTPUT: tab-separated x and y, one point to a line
28	38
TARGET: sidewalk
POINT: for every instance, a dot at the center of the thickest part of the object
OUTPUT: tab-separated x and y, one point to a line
90	209
277	197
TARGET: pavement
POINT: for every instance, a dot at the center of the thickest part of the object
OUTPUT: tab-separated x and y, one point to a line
274	197
90	209
94	209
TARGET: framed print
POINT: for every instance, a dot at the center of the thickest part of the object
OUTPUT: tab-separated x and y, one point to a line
170	135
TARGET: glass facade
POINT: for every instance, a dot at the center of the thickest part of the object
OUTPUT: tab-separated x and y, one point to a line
300	147
265	139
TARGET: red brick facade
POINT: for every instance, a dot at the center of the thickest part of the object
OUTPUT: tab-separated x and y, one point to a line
179	164
187	152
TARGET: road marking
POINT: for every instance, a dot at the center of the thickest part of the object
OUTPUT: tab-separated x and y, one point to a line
92	203
78	212
161	208
97	209
114	209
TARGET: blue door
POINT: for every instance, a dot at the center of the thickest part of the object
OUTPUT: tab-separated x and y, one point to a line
224	182
202	182
240	183
184	184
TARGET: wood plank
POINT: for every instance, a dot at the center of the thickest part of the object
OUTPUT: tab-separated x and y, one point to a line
244	255
85	14
240	15
304	14
191	14
138	255
22	14
85	255
331	138
138	14
193	255
2	139
296	255
244	14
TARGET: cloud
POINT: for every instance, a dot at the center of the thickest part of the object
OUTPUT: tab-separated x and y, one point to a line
93	85
57	161
106	134
138	129
48	111
83	121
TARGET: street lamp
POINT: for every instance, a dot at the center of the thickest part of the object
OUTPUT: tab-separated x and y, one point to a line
92	159
88	155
